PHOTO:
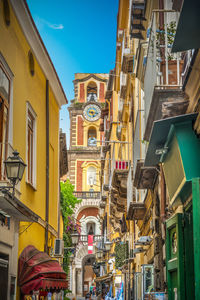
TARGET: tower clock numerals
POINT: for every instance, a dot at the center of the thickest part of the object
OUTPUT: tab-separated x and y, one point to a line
92	112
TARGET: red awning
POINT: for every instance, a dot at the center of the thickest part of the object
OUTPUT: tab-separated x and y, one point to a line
37	270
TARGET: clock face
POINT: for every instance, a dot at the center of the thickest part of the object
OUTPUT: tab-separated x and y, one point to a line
92	112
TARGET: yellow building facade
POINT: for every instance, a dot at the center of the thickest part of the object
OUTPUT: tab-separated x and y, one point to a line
127	205
146	192
32	95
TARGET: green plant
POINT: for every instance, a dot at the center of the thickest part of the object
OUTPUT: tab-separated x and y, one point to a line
161	37
68	202
78	104
121	254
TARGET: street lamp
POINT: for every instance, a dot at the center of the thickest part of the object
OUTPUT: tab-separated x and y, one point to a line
14	166
75	238
99	254
108	245
71	258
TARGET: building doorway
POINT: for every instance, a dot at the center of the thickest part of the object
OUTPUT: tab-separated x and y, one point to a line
4	262
88	274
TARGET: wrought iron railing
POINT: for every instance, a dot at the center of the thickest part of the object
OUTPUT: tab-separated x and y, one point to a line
119	161
96	238
87	195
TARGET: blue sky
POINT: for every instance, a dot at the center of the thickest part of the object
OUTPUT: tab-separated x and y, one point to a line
80	36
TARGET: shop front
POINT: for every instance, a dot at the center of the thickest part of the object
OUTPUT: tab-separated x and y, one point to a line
175	145
103	284
39	276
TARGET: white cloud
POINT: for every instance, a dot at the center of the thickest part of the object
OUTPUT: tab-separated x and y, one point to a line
50	25
55	26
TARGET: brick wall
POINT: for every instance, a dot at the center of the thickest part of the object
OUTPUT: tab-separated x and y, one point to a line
80	131
101	92
82	93
79	176
89	211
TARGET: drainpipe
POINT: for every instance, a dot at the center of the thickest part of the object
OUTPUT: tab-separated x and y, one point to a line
161	14
47	168
163	194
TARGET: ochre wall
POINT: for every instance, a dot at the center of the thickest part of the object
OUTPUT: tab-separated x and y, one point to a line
14	48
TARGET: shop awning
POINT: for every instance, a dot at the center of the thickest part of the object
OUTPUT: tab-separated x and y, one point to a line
37	270
188	29
104	278
159	136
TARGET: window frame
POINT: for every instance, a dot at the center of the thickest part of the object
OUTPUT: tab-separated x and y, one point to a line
31	133
92	129
89	172
7	111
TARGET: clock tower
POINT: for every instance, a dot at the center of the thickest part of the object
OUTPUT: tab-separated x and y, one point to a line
84	170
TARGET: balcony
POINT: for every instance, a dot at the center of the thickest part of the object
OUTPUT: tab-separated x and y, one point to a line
137	17
130	189
109	90
96	238
163	73
119	162
145	177
136	211
120	106
87	195
123	85
127	55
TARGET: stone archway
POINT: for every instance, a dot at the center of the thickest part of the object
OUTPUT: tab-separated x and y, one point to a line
80	260
85	203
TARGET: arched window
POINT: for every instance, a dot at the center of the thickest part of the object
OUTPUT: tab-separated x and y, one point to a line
91	176
92	136
91	228
92	92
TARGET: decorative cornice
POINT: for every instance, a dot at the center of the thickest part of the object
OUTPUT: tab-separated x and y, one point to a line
90	76
84	150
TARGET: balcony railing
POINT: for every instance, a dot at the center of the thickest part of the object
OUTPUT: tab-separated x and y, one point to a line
87	195
96	238
163	68
120	158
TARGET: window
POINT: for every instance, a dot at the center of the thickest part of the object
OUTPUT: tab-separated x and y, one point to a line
92	137
6	12
12	288
148	278
90	228
4	105
91	176
92	92
31	63
31	146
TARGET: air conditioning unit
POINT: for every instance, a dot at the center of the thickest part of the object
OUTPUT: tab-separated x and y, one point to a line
58	247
